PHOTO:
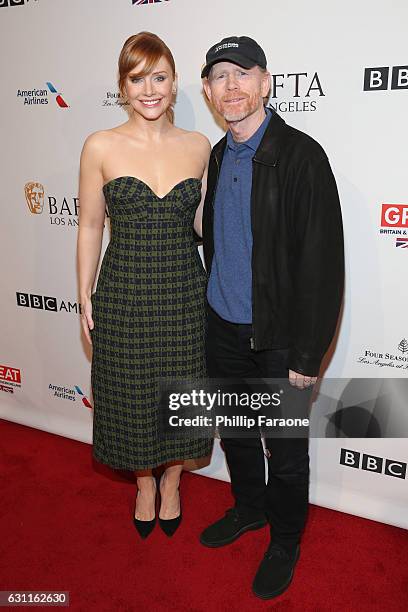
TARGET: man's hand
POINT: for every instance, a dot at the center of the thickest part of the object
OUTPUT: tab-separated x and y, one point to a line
300	380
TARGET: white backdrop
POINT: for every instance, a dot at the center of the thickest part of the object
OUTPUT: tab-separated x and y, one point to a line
340	74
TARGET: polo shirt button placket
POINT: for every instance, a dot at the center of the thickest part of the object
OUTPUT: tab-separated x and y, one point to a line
237	162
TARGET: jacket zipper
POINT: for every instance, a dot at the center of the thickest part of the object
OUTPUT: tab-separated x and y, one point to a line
216	183
264	163
252	339
253	342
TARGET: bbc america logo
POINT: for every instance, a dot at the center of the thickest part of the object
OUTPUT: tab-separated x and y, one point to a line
372	463
46	302
378	79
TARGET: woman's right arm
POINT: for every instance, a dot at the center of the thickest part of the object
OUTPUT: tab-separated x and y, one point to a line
91	223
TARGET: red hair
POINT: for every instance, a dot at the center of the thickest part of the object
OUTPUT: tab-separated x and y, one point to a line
146	47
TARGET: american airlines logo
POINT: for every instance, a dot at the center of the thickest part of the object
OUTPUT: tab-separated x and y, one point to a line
372	463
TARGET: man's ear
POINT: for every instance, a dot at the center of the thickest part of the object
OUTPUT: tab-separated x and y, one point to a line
266	84
207	88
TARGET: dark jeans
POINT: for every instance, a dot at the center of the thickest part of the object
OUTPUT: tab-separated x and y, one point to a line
284	500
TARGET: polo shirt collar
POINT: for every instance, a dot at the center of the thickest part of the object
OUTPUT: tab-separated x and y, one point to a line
255	140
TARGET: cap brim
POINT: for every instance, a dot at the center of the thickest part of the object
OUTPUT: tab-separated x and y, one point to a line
230	57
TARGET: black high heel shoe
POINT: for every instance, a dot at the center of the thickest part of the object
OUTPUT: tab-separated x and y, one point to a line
144	528
169	526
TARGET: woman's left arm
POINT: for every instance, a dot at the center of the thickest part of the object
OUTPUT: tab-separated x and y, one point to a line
198	220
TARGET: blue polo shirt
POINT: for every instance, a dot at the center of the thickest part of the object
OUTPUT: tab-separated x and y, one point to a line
229	290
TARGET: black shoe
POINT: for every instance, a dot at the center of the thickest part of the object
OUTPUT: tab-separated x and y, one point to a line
144	527
275	572
169	526
230	528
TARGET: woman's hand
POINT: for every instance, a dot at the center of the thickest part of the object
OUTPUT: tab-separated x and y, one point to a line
86	318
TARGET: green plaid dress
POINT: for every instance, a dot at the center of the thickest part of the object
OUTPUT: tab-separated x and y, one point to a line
149	316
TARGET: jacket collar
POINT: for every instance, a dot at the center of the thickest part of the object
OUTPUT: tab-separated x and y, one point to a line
269	148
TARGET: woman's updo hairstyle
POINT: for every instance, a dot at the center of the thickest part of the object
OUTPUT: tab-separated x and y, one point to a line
146	47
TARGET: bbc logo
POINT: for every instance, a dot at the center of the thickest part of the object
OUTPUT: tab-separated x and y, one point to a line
40	302
372	463
378	79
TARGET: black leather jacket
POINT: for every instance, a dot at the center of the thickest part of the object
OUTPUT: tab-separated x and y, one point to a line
297	255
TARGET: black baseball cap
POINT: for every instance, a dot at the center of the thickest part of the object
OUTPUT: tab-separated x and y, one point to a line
240	50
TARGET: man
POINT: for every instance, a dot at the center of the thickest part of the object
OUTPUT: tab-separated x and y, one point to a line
273	247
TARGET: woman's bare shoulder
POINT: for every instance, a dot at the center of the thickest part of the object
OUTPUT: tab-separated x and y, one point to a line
97	140
197	139
102	138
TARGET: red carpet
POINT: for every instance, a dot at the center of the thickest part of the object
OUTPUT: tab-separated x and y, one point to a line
66	525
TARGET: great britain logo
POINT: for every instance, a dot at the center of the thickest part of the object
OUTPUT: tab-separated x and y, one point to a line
10	378
394	222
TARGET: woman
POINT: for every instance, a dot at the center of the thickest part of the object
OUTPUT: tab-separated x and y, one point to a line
146	318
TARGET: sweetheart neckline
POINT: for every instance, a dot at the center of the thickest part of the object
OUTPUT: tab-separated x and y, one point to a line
190	178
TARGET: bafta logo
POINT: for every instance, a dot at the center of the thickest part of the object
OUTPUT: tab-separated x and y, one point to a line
34	193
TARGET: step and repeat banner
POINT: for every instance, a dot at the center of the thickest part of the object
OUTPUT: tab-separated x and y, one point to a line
339	72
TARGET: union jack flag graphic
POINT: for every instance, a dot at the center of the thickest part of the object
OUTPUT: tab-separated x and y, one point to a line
147	1
402	243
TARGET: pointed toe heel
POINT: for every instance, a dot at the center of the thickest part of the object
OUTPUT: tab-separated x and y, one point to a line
170	526
144	528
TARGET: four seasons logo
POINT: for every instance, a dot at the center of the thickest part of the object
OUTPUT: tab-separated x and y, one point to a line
403	346
386	359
